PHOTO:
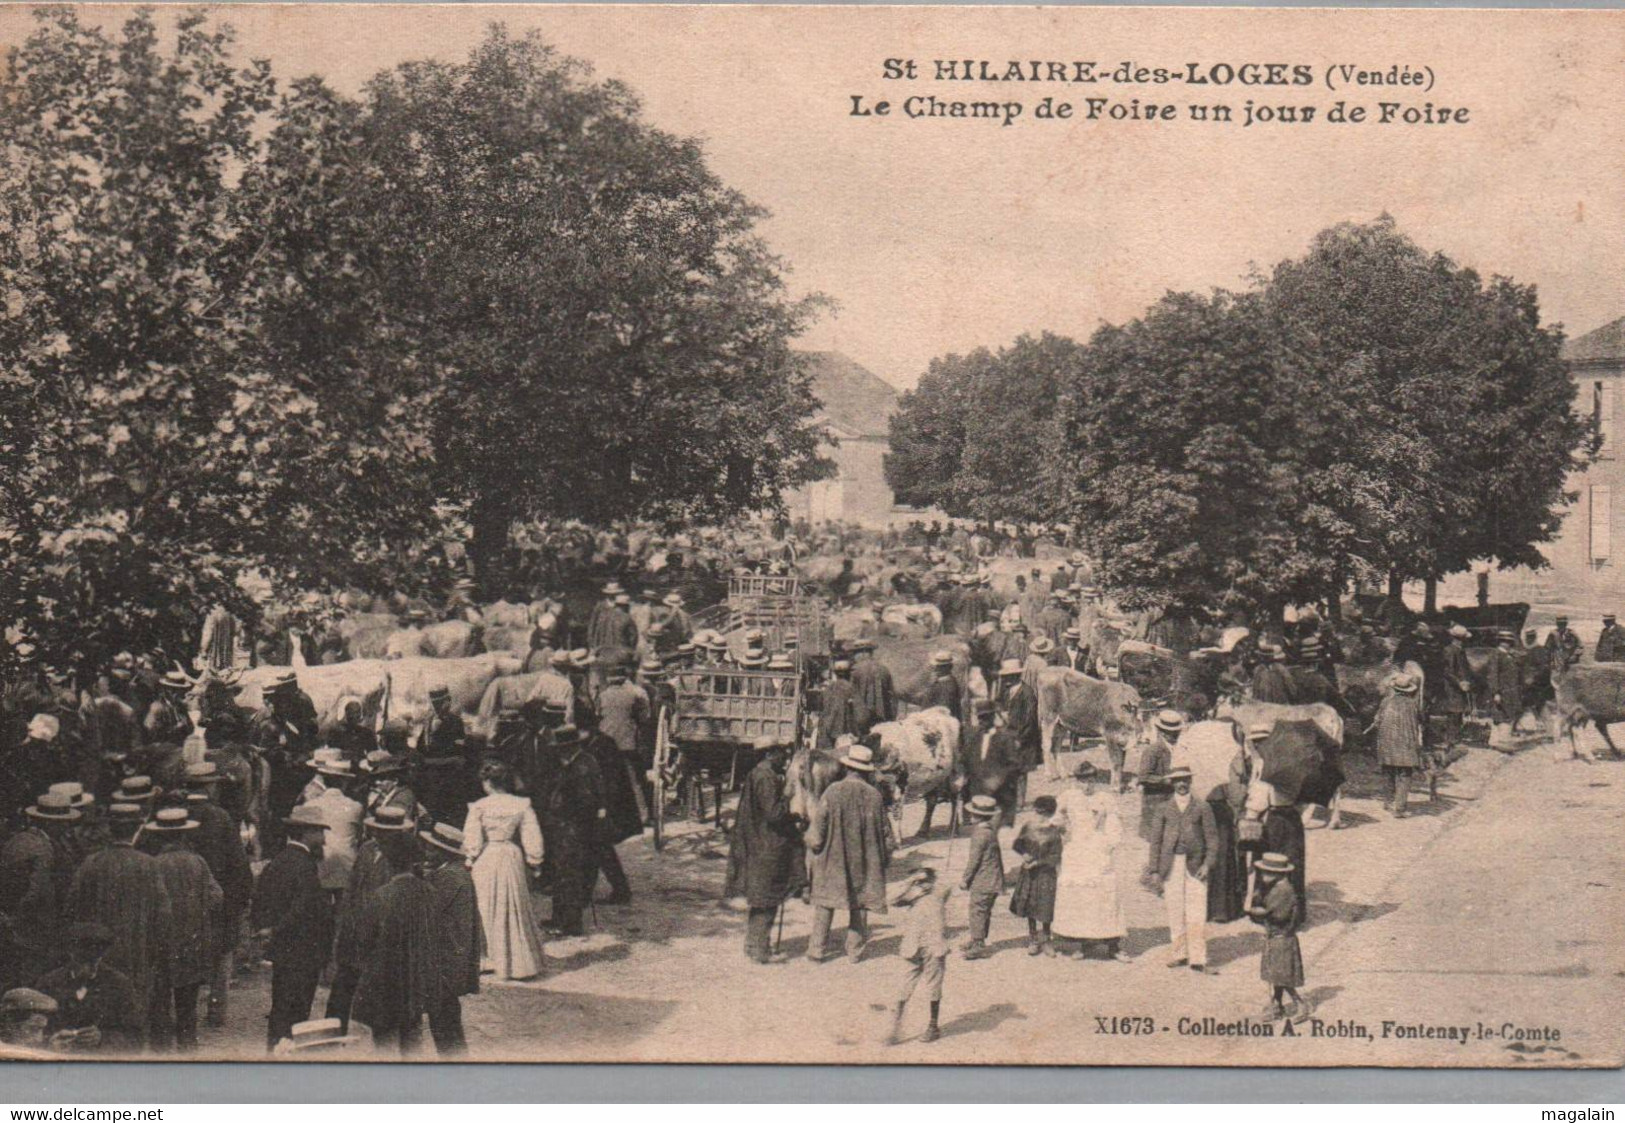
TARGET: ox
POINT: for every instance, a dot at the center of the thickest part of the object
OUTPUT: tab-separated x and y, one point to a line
923	620
921	750
366	634
506	692
1593	692
410	682
909	661
1088	707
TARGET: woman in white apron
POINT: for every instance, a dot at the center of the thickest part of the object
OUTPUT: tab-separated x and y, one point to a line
1087	907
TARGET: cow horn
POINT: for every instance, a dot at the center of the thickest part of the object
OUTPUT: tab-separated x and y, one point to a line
180	670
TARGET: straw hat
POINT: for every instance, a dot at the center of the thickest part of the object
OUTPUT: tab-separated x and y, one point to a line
1009	668
445	836
172	820
1258	730
202	773
860	757
136	789
305	819
74	792
389	819
1274	863
52	807
1041	646
982	807
1174	775
1404	684
1170	721
942	659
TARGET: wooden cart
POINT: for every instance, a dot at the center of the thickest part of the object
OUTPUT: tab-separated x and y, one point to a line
717	715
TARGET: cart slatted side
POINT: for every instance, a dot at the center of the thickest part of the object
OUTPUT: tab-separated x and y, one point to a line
749	585
803	619
736	706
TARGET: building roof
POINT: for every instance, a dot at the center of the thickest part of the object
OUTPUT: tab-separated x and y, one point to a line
855	401
1606	344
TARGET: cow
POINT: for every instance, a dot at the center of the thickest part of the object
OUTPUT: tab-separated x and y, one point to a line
1088	707
924	620
1593	692
909	661
506	692
508	637
366	634
921	750
410	682
452	639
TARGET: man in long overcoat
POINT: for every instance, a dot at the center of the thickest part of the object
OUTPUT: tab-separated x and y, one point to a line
1020	707
945	690
34	872
575	807
219	843
847	845
369	873
1611	643
872	690
290	906
395	935
1453	688
623	812
1503	681
839	713
195	900
766	848
123	888
457	927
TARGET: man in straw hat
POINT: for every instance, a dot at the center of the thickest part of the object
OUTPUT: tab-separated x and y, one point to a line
369	874
1184	846
219	843
457	928
764	857
34	861
195	898
576	813
1018	703
874	696
292	910
847	852
284	731
95	1001
838	715
399	981
123	888
1155	761
328	798
983	878
1452	698
924	949
1398	726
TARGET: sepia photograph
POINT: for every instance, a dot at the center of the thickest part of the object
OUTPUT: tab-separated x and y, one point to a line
812	535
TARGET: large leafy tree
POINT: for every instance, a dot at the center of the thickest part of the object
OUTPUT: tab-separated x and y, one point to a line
151	460
977	436
575	312
1442	417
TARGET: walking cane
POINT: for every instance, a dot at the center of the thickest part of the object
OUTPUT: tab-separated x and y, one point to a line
778	937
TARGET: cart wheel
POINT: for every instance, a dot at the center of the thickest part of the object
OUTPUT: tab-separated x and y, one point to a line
661	762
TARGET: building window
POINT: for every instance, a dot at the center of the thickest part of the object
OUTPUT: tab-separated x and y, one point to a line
1602	523
1602	412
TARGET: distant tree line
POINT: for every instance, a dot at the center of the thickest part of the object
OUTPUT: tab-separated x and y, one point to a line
1369	412
253	328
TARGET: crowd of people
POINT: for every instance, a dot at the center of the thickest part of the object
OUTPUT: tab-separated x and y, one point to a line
154	836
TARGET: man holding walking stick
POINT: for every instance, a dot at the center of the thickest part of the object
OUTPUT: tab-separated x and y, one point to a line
764	864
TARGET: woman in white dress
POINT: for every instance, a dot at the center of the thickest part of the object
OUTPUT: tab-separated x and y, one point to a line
1087	909
502	837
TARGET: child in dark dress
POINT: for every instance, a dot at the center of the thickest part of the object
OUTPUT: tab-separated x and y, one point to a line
1039	843
1280	912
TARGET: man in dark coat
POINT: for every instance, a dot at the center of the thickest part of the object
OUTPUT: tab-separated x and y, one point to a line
442	776
1271	682
1452	691
369	874
1611	644
30	768
839	713
195	900
1503	681
395	935
461	939
991	760
1185	844
945	690
623	813
765	848
847	854
219	843
35	868
95	1002
1561	640
1020	705
284	731
575	808
1536	665
123	888
874	697
291	909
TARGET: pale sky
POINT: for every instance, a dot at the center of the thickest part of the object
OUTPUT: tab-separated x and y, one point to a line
941	236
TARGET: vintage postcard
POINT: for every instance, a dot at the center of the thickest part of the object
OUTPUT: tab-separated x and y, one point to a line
923	535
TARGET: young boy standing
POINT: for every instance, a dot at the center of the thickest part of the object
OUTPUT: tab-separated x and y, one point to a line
984	872
924	948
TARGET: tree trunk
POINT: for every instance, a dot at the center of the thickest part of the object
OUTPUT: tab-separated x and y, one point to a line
1430	600
1484	589
1396	586
491	519
1334	607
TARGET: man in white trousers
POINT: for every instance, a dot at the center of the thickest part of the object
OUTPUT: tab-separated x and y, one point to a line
1184	846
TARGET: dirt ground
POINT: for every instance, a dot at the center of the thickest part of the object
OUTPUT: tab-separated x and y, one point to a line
1493	915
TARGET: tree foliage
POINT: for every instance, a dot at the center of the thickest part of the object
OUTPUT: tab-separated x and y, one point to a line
253	340
575	309
975	437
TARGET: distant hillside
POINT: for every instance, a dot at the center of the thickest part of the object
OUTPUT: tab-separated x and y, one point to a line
855	400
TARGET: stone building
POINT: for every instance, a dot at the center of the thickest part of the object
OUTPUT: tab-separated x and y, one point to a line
857	409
